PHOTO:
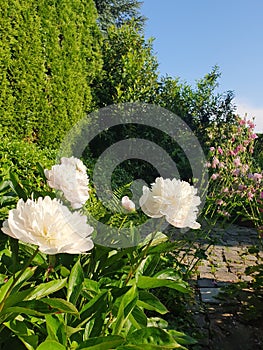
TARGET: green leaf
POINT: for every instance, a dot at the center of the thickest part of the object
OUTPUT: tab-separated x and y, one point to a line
40	170
150	264
28	273
44	289
152	338
146	282
91	285
51	345
26	335
101	343
182	338
13	299
61	305
30	307
93	305
56	328
17	187
75	283
150	302
138	318
127	304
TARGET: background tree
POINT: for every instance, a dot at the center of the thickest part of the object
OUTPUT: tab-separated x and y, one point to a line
199	106
119	12
129	68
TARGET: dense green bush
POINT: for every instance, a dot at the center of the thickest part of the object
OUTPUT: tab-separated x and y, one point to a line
19	162
49	56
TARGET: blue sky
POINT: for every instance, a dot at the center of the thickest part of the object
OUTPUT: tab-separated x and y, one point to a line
192	36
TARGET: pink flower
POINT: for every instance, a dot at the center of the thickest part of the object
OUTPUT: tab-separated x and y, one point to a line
212	149
250	195
253	136
246	142
261	195
226	190
237	161
219	201
251	124
233	153
214	176
242	122
221	165
244	168
257	176
236	172
215	162
220	151
208	165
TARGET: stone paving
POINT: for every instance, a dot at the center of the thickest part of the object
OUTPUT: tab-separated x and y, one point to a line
226	262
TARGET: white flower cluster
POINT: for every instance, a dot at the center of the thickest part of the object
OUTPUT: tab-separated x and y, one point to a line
71	178
174	199
55	229
50	225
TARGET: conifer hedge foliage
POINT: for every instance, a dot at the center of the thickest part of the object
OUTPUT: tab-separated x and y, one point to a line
49	56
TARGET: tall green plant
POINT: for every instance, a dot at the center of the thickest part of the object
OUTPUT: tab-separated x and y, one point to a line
49	56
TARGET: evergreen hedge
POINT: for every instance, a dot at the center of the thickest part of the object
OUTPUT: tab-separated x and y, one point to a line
49	56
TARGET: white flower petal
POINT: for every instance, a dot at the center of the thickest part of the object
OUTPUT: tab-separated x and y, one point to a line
174	199
50	225
71	178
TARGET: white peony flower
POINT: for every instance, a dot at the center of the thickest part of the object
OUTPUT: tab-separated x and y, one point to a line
71	178
174	199
50	225
127	204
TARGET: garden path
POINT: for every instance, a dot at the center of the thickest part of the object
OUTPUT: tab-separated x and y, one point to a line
221	317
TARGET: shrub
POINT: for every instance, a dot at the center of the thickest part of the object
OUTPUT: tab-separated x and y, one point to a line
49	56
236	180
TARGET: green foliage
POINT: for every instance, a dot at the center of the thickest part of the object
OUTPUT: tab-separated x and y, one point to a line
49	56
119	12
21	172
258	151
200	107
129	68
98	305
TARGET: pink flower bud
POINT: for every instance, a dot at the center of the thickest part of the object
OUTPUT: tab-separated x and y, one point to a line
214	176
242	122
127	204
220	151
250	195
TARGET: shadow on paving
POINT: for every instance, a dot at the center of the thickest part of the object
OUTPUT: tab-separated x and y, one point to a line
229	305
